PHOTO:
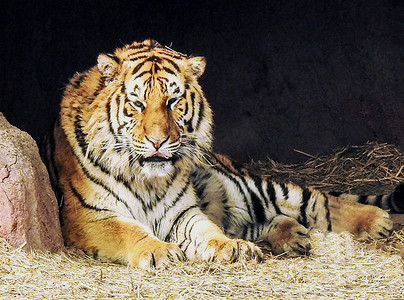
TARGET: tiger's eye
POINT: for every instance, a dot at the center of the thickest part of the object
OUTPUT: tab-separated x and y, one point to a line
138	105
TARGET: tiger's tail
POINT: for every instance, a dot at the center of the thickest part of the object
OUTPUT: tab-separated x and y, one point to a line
394	202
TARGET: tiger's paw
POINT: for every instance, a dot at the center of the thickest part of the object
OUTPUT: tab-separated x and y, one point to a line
363	221
287	236
370	223
156	254
231	250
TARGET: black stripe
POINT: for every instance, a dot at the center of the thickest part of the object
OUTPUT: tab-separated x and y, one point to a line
83	145
137	46
114	58
138	67
378	201
179	196
245	233
107	188
168	70
199	190
200	114
170	53
158	222
171	62
397	199
80	136
141	74
147	206
163	57
111	128
176	221
100	87
256	232
394	206
334	193
155	68
258	185
77	80
285	190
259	209
136	56
189	233
162	81
272	196
362	199
186	109
83	201
150	205
306	194
328	214
189	122
189	125
227	173
192	95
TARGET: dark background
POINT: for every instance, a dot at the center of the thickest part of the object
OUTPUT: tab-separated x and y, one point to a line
281	75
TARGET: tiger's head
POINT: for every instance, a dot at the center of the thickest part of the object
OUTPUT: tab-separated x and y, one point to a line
148	114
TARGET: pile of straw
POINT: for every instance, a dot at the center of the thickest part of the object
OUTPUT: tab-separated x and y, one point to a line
338	266
370	168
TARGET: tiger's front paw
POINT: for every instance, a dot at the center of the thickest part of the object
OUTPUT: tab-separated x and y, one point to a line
155	254
287	236
231	250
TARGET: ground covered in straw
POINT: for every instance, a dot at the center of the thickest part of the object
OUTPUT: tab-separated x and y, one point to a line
338	266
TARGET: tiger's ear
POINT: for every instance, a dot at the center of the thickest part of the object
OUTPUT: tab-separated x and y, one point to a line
197	65
108	66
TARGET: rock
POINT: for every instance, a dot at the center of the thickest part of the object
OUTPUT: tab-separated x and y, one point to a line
29	216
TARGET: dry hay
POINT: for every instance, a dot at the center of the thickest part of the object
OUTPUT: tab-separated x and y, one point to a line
370	168
338	267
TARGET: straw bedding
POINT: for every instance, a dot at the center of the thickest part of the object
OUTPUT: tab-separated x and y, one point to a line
338	266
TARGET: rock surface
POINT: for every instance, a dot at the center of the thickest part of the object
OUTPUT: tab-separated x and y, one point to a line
29	215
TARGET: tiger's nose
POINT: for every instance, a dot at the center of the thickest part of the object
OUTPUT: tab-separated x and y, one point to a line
157	142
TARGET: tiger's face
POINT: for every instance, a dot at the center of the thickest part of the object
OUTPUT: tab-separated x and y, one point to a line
157	112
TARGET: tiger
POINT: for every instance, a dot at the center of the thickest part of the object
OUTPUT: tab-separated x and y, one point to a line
132	162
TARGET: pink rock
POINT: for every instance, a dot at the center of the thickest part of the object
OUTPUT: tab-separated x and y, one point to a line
29	214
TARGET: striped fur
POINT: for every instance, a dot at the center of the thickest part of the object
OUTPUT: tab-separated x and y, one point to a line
131	157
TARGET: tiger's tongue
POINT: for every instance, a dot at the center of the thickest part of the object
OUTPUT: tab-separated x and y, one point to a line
159	154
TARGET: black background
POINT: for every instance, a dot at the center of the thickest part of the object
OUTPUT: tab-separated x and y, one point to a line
281	75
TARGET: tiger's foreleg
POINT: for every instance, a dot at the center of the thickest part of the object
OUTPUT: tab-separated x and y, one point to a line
286	235
104	235
200	238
